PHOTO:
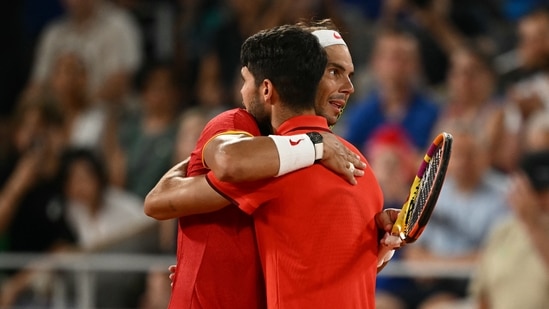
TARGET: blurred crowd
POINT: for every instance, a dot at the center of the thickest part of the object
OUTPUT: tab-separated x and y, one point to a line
99	98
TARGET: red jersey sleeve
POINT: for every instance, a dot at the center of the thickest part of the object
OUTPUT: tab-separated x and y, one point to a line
248	196
231	121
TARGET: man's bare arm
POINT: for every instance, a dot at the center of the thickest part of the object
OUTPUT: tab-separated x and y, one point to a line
237	158
234	158
176	195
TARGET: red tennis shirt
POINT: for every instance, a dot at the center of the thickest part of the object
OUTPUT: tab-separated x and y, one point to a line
316	233
217	259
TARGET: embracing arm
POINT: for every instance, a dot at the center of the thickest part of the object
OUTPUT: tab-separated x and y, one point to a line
237	158
176	195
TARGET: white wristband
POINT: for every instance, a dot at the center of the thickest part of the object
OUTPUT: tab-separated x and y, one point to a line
294	152
319	151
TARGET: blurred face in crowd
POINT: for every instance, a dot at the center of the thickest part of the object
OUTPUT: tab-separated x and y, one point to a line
469	159
533	32
68	80
335	87
160	93
470	80
395	60
392	164
82	184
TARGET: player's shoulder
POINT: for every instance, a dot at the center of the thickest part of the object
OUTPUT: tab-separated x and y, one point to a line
231	113
236	119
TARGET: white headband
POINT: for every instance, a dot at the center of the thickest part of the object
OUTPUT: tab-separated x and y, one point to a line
329	37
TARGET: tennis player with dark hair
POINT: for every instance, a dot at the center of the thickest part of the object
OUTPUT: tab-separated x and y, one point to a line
316	234
175	195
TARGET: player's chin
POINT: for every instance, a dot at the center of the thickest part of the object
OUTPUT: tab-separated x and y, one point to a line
330	118
331	114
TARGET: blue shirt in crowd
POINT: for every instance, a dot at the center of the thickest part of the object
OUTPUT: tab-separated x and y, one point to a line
365	117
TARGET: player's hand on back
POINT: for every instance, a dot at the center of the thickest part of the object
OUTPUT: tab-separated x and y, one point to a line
340	159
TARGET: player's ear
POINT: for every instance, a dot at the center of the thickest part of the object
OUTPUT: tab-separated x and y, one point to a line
267	90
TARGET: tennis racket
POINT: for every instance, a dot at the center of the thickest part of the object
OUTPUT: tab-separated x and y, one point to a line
421	201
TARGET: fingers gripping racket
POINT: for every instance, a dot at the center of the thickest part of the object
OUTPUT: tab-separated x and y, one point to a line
417	209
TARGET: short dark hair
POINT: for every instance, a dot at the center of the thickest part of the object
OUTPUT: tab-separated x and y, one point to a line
291	58
72	155
143	76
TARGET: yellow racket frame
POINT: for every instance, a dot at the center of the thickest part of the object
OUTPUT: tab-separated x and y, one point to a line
399	227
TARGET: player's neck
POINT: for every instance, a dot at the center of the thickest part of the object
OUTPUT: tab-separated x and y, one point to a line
280	115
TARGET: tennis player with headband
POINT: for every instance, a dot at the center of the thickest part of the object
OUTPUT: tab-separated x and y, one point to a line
244	160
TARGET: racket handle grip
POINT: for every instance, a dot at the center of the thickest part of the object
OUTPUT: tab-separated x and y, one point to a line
397	228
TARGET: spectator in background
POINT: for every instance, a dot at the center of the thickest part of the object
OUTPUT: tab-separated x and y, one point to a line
68	83
196	25
141	146
470	89
105	219
219	64
393	159
471	202
39	141
471	98
528	94
430	22
514	268
29	222
530	91
100	214
106	37
398	99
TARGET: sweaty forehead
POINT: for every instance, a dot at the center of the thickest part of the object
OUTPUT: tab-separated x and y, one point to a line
339	55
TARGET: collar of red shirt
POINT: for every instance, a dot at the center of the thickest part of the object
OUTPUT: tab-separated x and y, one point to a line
303	123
